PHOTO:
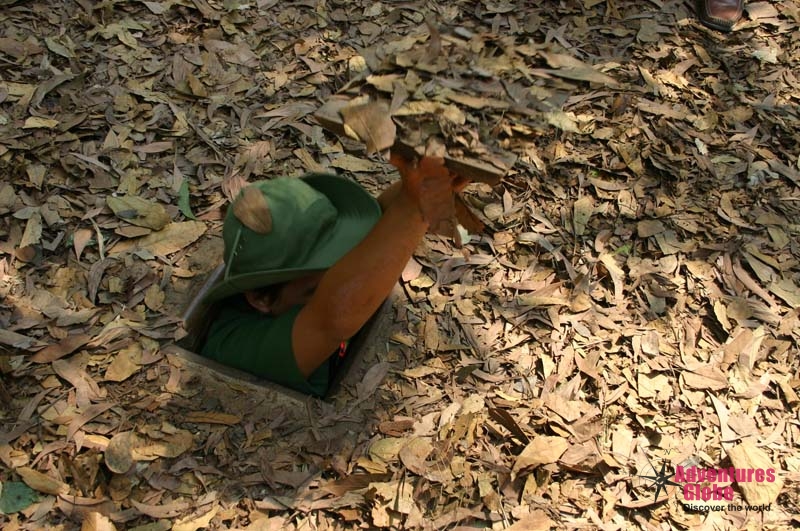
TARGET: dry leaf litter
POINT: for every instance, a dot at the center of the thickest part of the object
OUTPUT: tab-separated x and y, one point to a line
632	301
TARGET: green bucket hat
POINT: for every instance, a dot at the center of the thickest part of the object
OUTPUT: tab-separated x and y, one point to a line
291	228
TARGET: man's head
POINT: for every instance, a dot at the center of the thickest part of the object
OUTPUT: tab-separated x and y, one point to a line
285	230
280	298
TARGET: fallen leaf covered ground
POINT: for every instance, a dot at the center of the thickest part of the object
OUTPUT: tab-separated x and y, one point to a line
632	304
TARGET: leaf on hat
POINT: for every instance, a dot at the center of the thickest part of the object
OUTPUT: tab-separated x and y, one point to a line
372	124
252	210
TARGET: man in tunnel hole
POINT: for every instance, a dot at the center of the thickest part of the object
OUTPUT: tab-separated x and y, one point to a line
307	262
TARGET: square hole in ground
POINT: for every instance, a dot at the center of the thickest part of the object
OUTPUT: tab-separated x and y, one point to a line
363	350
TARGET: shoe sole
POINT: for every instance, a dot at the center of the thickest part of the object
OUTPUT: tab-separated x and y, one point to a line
713	22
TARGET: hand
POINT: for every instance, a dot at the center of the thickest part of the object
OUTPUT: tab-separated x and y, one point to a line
432	186
421	173
414	172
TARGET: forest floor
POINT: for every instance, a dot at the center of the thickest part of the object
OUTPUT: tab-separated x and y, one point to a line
631	309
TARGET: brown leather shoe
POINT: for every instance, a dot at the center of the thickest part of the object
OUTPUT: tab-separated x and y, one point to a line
720	14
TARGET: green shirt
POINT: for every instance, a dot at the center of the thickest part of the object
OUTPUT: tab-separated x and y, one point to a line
261	344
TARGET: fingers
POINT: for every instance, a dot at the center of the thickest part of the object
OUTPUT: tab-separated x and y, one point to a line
425	168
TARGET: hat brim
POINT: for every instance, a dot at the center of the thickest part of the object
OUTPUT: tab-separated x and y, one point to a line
357	213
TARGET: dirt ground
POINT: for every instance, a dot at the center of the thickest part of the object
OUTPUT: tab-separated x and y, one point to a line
630	311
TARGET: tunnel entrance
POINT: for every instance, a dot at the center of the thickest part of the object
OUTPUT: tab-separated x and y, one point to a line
364	350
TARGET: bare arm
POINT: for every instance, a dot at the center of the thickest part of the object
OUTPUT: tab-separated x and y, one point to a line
353	289
350	291
391	193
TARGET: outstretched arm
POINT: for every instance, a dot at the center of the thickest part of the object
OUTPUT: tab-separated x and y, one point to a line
389	195
353	288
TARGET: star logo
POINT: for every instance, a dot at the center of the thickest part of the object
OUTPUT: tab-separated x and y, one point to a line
661	480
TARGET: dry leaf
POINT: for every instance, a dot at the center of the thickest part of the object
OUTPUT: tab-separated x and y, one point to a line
541	450
42	482
97	522
399	498
194	523
168	240
33	231
87	415
420	371
352	482
161	511
476	102
563	120
450	112
654	385
119	452
786	290
414	456
431	333
372	379
19	341
252	210
571	67
535	521
173	445
79	508
750	457
726	435
213	417
154	297
387	449
125	364
649	227
35	122
371	123
66	346
582	212
353	164
139	211
617	275
86	388
705	378
7	198
414	453
80	239
131	231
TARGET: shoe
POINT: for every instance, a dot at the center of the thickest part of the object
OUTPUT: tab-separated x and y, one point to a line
720	14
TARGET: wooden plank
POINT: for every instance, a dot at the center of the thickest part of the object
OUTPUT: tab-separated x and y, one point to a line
367	345
198	314
213	375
